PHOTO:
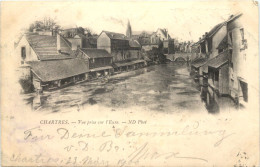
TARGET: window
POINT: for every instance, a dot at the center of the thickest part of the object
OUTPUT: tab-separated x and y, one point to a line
220	50
244	56
242	34
244	88
243	40
232	83
230	37
23	53
216	75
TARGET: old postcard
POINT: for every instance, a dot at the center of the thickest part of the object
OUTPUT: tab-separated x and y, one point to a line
133	83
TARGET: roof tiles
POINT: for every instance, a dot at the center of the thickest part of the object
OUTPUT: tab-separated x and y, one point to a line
46	47
58	69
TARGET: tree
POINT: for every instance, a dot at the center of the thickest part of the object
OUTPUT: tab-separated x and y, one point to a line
80	30
32	26
89	32
46	24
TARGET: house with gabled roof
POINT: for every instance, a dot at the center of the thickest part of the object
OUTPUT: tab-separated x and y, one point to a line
124	50
208	47
216	76
34	47
214	37
99	61
115	43
212	41
49	61
162	34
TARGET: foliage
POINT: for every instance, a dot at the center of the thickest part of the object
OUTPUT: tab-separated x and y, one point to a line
45	24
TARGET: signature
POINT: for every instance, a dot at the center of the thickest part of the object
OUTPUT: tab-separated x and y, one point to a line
145	153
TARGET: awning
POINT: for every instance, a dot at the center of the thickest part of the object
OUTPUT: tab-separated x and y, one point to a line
101	68
197	65
219	60
198	62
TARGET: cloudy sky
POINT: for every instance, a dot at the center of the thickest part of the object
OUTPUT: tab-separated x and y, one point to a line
185	20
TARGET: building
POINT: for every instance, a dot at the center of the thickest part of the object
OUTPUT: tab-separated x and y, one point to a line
134	49
125	51
242	47
133	59
168	46
196	70
213	39
98	60
76	41
208	48
53	74
34	47
115	44
199	59
218	74
154	39
80	39
143	37
48	62
90	42
162	34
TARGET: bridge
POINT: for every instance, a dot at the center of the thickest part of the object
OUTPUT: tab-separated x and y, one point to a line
178	56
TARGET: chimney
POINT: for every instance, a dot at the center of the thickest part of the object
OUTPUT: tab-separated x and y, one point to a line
230	16
58	43
206	34
167	34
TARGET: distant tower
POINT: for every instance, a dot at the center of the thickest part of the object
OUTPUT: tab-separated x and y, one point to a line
129	30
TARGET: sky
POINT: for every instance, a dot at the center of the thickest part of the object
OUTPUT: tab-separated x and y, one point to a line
185	20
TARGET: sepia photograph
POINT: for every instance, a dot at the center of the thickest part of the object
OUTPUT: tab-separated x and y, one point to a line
133	83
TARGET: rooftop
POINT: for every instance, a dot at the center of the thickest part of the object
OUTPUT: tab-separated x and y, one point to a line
199	62
96	53
58	69
134	44
219	60
46	47
215	29
223	44
113	35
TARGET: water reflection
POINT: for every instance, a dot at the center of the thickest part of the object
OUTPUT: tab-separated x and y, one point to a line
164	88
215	103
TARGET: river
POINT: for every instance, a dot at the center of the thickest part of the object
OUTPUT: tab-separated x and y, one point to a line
162	88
